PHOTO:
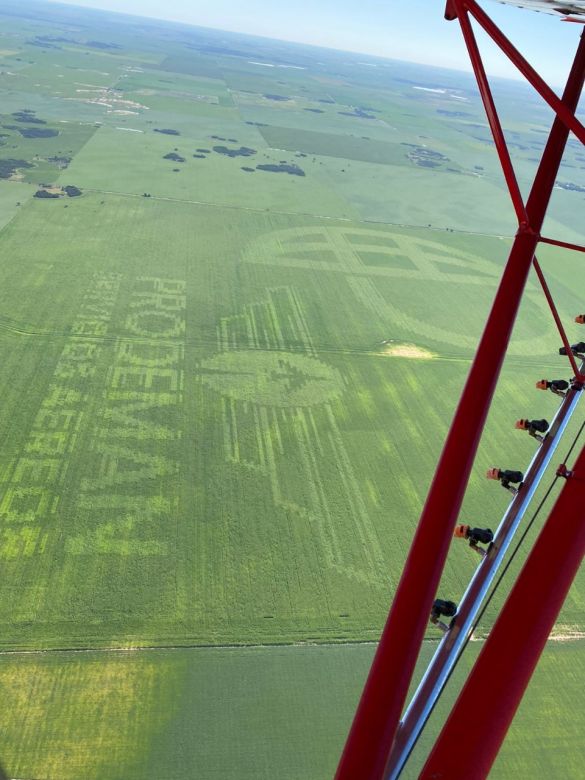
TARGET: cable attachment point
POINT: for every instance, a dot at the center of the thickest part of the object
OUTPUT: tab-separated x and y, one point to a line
564	472
443	609
556	386
506	478
577	349
476	536
534	427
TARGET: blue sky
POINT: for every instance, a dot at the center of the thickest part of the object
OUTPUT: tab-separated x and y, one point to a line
388	28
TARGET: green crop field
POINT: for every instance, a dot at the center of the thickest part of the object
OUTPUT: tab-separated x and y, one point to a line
227	368
240	713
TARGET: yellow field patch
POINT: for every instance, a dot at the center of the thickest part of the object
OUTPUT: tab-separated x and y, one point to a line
566	633
75	719
408	351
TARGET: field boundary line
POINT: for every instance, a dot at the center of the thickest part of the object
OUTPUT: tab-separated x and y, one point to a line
554	638
358	221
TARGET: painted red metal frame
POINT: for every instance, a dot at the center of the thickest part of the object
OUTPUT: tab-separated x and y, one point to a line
564	244
376	720
558	106
557	319
473	733
492	115
459	9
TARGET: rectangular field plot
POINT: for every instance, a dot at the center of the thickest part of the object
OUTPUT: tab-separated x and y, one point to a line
36	152
267	113
12	196
191	107
134	162
170	714
191	64
335	145
54	730
283	711
152	82
415	196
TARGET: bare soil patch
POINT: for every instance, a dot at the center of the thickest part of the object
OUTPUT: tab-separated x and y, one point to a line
407	351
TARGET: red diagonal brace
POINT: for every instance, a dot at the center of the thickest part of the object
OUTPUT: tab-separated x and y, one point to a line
491	111
564	244
558	106
374	727
557	319
475	730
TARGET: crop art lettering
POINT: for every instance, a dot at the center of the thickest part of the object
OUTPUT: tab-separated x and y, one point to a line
33	483
128	495
98	468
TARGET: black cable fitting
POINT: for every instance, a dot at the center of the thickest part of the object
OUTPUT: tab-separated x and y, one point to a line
564	472
440	609
577	349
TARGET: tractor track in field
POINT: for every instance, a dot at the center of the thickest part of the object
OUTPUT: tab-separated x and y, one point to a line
560	634
13	327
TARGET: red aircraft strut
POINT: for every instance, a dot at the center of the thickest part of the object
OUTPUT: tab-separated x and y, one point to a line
377	717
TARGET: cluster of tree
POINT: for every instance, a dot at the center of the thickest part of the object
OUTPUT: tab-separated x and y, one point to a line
27	115
444	112
570	186
70	190
291	168
8	167
102	45
357	112
41	43
34	132
243	151
46	194
61	162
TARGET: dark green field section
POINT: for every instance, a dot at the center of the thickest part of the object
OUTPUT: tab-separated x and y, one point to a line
329	145
234	713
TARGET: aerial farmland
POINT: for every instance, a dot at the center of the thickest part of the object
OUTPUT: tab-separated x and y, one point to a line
241	284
